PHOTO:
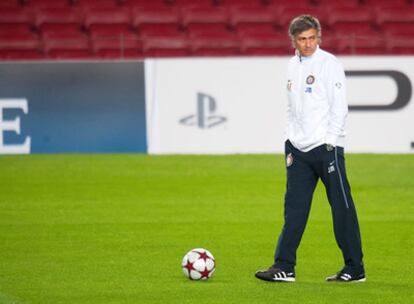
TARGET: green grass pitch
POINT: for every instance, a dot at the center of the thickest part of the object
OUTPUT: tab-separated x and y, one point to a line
114	228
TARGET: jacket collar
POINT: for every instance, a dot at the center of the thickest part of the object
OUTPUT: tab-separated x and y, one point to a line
307	58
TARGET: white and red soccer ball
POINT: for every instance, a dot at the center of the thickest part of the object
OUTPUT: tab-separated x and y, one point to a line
198	264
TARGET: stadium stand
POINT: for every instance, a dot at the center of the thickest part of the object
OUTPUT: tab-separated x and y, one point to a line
16	15
38	4
382	4
290	12
90	5
204	16
145	3
57	16
9	4
339	18
192	3
114	41
19	42
242	3
114	29
164	40
252	16
65	41
149	15
328	4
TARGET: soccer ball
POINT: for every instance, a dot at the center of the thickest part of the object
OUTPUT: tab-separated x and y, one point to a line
198	264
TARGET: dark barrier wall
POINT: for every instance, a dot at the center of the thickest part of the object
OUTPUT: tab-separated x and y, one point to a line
75	107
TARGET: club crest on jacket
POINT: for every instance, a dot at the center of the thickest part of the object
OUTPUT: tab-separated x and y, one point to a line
310	79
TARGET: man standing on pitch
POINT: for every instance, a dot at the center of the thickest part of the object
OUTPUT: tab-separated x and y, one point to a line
317	110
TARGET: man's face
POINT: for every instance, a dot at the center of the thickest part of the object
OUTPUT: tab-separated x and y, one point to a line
306	42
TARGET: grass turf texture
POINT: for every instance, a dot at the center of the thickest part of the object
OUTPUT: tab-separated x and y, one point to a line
114	228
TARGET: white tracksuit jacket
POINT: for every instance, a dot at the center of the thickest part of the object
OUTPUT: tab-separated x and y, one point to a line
317	106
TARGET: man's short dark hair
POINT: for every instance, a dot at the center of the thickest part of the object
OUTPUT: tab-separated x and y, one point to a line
303	23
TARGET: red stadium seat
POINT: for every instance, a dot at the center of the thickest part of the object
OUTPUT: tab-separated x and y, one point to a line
347	29
213	29
21	29
329	42
153	15
20	41
250	30
402	44
205	28
289	13
9	16
110	29
372	44
63	41
167	53
329	4
266	51
402	16
90	5
146	3
56	30
57	15
36	4
332	47
217	15
70	42
120	16
171	46
115	42
219	42
344	16
163	40
249	15
291	4
375	4
263	39
118	54
5	4
265	44
159	30
395	28
116	34
68	54
215	52
244	3
18	55
192	3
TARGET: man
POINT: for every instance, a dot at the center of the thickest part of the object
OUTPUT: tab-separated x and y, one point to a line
317	110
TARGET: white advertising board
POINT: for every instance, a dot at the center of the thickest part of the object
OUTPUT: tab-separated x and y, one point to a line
238	105
385	85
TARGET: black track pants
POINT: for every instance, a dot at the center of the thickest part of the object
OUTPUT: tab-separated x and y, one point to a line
303	172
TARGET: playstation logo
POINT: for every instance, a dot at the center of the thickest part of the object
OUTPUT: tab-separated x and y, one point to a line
205	117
